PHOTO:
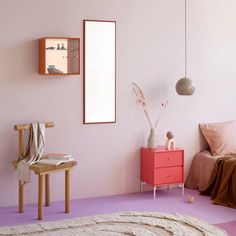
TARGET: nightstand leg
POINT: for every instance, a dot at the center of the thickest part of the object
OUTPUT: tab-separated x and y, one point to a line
182	189
154	192
168	187
141	186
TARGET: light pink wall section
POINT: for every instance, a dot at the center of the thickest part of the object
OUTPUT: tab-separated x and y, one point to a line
150	51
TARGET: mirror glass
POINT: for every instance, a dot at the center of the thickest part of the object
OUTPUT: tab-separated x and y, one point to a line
99	71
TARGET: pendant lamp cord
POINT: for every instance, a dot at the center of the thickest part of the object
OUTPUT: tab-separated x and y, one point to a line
185	37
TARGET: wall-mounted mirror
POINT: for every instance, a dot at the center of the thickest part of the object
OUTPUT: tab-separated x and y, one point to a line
99	71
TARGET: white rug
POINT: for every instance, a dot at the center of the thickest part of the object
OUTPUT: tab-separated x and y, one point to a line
117	224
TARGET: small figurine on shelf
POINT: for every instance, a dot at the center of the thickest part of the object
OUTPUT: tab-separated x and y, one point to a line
63	47
50	48
170	143
53	70
58	47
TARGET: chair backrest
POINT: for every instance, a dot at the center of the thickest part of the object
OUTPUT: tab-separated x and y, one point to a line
21	128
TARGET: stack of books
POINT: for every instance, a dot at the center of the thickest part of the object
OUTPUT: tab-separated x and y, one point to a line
55	159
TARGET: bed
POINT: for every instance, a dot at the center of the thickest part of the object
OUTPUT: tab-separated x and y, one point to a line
213	172
201	169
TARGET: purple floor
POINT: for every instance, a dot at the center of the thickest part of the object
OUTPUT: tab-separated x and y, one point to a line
166	201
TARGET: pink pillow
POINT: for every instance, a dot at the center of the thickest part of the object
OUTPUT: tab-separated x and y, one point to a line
221	137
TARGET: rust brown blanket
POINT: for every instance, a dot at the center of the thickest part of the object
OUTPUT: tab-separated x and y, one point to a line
222	184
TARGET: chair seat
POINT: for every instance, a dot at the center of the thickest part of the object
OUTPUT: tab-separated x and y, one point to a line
40	169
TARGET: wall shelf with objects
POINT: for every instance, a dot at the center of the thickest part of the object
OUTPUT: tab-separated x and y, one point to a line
59	56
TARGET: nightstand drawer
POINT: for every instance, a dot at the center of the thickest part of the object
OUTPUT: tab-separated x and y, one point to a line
164	159
168	175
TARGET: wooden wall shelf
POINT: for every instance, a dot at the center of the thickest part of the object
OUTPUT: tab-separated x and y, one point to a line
59	56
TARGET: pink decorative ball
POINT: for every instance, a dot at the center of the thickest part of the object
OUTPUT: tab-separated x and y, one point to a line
191	199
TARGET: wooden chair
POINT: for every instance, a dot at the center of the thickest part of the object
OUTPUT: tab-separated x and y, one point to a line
43	171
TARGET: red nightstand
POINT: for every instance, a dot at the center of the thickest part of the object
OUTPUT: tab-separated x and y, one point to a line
161	167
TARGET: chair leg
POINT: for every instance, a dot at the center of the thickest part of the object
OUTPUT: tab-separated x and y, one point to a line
47	190
21	198
67	191
40	197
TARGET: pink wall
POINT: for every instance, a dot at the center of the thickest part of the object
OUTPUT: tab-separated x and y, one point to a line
150	51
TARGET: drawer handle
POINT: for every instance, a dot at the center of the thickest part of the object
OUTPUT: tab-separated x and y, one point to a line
168	176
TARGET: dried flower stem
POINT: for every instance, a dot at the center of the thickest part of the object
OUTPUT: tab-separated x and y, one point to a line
141	99
162	112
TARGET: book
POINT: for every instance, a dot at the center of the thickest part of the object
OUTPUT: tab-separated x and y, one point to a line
58	156
53	162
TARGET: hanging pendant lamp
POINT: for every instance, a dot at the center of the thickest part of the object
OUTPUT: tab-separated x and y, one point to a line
185	86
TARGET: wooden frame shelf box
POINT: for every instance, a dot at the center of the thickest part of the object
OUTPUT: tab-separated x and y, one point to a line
59	56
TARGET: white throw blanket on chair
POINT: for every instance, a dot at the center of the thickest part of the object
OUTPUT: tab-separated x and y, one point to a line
34	151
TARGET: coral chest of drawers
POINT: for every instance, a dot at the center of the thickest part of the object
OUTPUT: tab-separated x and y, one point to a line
161	167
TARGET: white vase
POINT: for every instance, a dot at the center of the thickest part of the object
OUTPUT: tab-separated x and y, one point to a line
152	139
